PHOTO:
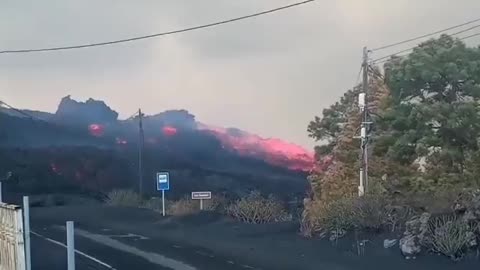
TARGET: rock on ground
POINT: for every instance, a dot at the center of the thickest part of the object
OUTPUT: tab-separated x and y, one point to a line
414	235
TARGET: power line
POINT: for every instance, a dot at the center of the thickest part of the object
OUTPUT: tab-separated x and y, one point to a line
425	35
133	116
376	61
20	111
158	34
467	37
387	58
465	30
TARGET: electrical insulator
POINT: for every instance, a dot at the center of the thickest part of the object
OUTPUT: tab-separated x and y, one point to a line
361	100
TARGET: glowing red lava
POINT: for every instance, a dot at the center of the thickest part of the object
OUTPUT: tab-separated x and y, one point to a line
169	131
96	130
273	151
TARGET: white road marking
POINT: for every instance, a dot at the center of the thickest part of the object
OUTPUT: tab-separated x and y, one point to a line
76	251
130	235
149	256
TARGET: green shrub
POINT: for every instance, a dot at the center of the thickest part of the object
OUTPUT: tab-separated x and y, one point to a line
340	215
450	236
121	197
372	212
320	218
256	209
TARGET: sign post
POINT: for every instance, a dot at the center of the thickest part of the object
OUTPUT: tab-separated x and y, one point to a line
163	183
26	230
201	195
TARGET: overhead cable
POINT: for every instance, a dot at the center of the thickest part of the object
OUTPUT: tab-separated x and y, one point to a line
386	58
425	35
158	34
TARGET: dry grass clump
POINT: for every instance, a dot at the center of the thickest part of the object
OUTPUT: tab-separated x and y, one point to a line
256	209
124	197
366	213
451	236
183	207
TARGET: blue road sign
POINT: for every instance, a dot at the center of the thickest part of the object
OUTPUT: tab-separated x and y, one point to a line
163	181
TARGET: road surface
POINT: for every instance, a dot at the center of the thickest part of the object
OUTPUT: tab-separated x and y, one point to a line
127	239
102	247
49	253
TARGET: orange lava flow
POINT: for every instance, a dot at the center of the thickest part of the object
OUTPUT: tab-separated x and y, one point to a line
272	150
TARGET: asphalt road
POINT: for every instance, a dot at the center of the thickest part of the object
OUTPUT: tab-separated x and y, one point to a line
130	239
104	247
48	254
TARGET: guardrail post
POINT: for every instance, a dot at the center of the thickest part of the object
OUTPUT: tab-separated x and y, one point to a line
70	246
26	229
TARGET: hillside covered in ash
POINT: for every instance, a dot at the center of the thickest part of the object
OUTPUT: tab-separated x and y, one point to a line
84	145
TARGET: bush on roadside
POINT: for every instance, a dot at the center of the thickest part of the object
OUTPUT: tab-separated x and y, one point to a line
256	209
340	215
216	204
398	216
451	236
154	204
124	197
438	202
373	212
311	223
183	207
186	206
336	217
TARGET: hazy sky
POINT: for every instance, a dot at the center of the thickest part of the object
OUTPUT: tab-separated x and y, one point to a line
269	75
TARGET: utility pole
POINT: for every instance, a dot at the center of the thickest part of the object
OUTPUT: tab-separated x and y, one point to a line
140	152
363	104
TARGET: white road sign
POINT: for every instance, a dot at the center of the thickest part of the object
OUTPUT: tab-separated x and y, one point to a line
201	195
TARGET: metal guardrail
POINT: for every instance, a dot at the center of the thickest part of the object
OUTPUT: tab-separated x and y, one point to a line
12	246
